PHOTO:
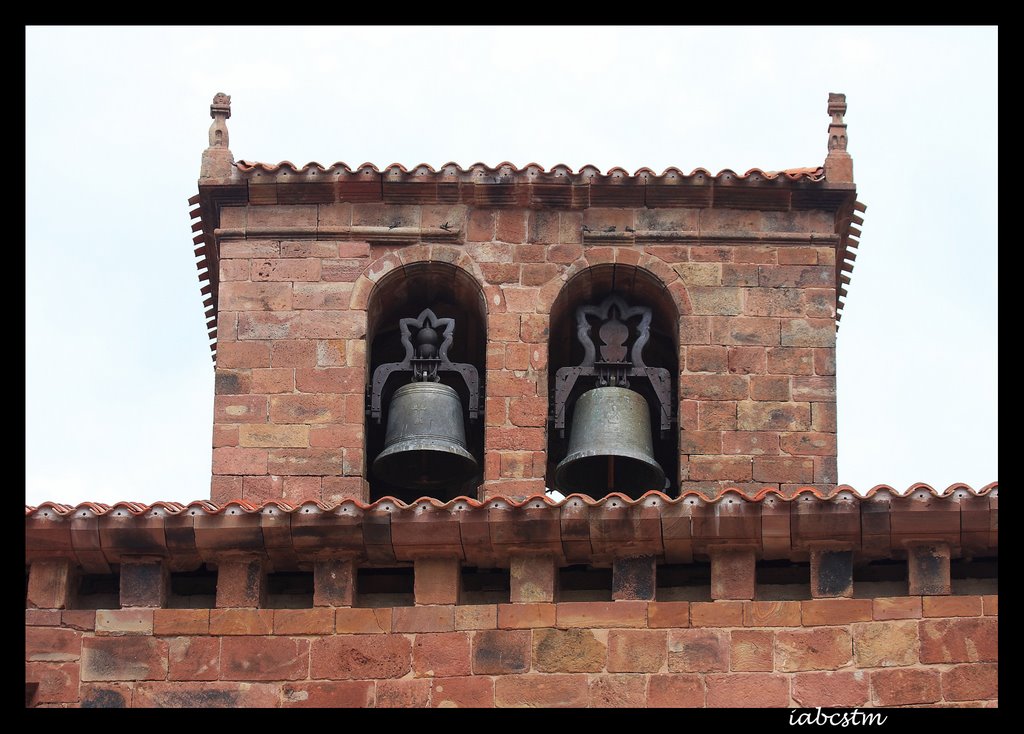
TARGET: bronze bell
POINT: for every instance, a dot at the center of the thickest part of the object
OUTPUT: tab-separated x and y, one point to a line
425	439
610	446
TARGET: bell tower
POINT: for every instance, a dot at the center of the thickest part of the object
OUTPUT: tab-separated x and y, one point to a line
504	331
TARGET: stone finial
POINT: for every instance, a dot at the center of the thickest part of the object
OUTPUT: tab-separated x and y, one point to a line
837	128
217	159
838	163
220	111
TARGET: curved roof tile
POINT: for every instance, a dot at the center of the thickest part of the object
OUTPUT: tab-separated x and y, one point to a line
577	528
812	173
843	491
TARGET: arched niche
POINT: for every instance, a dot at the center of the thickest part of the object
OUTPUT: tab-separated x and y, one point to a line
450	292
638	287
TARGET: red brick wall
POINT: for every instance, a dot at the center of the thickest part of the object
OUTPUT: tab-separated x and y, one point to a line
756	403
899	651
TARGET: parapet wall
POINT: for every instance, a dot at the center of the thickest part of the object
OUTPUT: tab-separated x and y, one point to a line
888	651
819	599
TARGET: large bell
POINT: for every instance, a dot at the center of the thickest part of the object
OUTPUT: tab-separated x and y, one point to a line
425	440
610	447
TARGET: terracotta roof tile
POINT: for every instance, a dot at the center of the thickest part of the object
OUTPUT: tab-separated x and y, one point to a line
613	499
813	174
206	255
577	529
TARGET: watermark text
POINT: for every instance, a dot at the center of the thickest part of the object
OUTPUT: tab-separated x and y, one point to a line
839	718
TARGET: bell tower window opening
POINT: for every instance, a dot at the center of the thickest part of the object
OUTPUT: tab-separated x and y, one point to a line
427	346
613	384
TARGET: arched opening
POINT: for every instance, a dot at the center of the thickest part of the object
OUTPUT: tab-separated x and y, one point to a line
402	296
639	290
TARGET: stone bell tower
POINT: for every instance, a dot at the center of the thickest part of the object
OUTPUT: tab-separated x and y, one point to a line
311	270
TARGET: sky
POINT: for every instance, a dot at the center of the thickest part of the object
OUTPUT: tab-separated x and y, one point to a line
119	380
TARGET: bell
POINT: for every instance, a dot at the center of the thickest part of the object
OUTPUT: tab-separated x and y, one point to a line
610	446
425	440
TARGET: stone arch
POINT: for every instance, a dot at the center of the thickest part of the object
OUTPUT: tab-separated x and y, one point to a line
412	255
623	258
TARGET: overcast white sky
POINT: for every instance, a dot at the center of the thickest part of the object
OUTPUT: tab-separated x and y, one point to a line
119	381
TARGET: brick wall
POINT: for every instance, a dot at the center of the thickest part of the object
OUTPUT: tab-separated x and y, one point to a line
898	651
754	290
